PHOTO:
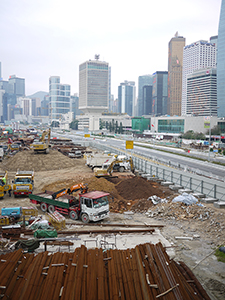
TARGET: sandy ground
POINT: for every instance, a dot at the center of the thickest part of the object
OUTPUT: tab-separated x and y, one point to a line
54	170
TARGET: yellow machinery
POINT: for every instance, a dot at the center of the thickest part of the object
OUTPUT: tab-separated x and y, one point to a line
4	186
108	171
14	147
23	183
42	146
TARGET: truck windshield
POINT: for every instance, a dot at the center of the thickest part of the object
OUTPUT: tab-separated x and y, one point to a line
100	202
22	180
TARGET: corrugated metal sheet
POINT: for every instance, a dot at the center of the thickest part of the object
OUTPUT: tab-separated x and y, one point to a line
145	272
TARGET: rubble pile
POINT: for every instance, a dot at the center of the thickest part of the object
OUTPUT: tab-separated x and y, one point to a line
180	211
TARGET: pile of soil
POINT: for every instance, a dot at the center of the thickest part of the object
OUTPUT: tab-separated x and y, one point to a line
28	160
126	192
140	188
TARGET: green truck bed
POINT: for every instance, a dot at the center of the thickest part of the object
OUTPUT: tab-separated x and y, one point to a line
47	198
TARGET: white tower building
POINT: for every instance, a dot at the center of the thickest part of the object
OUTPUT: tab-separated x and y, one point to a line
94	86
199	55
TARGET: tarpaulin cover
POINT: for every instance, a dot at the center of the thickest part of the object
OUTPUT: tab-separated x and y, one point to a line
45	233
186	199
30	244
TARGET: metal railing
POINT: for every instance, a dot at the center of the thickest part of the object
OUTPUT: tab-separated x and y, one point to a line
185	177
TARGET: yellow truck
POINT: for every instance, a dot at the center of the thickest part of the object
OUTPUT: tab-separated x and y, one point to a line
4	183
23	183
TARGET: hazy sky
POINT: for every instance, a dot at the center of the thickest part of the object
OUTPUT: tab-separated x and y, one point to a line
43	38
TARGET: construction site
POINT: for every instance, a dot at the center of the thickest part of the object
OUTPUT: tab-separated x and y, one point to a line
144	246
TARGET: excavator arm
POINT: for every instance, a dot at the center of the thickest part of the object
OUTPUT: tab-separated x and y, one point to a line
74	188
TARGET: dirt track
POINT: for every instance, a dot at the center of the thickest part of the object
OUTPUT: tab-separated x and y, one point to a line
55	171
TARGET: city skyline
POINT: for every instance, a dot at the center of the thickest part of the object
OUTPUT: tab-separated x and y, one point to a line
51	38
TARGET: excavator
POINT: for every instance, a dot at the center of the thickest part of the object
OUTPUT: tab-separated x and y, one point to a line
42	146
109	170
74	188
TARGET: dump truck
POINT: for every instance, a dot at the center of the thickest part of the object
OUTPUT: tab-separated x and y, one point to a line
96	160
4	184
90	206
23	183
42	145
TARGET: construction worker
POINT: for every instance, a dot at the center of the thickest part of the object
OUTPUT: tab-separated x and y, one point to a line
4	180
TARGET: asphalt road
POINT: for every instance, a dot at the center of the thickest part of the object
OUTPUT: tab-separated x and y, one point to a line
206	167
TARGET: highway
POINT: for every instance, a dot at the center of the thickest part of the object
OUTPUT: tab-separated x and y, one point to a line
173	159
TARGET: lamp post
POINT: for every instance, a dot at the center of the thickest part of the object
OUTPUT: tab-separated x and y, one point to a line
209	134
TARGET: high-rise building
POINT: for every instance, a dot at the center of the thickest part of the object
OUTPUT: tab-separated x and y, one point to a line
59	98
175	65
221	63
145	80
94	86
202	93
36	104
26	106
18	85
126	97
198	55
160	93
147	99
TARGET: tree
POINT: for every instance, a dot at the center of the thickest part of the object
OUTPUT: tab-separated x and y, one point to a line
188	135
215	130
121	128
55	124
74	124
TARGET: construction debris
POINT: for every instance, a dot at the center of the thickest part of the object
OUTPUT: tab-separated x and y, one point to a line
145	272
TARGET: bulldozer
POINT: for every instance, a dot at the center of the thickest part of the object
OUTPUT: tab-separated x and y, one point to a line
107	172
42	146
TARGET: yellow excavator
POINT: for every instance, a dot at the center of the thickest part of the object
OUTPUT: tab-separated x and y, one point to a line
42	146
107	172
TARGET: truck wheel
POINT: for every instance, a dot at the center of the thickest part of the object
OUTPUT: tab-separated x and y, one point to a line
44	207
85	218
73	215
121	169
51	209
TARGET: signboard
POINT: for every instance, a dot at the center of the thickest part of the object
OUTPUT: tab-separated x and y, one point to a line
207	124
87	135
129	144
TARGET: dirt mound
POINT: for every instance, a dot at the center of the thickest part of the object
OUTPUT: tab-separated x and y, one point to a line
39	162
140	188
125	192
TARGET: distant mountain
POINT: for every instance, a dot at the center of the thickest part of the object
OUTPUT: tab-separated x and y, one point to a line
38	95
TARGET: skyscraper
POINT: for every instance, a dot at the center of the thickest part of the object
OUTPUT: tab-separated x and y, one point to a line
94	86
198	55
126	97
221	63
175	65
18	85
160	93
59	98
143	81
202	93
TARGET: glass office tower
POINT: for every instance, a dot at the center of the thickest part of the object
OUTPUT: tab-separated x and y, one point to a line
59	98
221	63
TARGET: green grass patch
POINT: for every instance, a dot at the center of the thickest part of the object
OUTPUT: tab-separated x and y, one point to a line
220	255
